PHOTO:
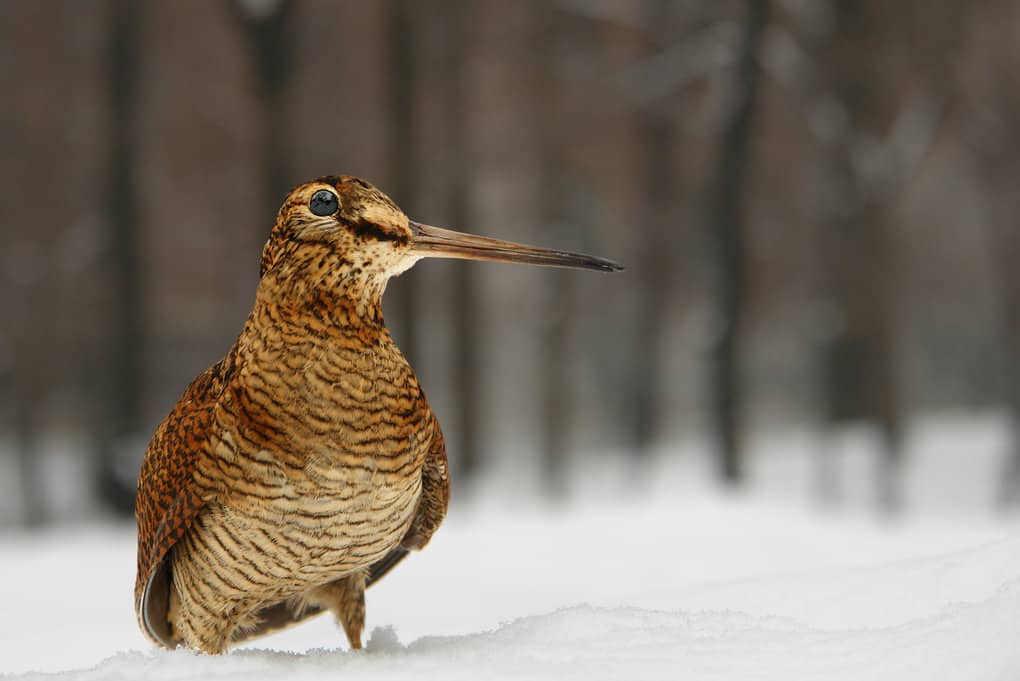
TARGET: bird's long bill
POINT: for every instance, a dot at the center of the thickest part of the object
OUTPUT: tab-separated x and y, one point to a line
436	242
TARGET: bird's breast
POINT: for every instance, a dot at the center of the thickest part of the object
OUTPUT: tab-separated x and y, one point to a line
318	461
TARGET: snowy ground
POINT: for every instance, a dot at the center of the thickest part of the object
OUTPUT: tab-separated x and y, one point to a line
682	583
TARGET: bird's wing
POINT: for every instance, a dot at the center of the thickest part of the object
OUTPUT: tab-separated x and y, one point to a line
382	566
168	500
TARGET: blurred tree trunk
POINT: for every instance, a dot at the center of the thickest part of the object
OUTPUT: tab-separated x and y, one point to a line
464	298
28	405
860	370
1008	249
999	168
859	358
885	69
728	233
555	396
991	110
268	30
119	425
655	130
402	161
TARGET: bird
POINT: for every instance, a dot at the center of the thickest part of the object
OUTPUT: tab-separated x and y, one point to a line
303	466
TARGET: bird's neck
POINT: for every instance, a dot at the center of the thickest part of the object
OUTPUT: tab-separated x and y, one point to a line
322	286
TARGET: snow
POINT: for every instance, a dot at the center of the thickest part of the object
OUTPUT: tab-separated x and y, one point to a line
681	582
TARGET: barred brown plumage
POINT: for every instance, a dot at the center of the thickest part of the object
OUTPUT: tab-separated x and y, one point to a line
303	466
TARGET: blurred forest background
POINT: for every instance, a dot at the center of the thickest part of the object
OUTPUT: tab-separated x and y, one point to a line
816	201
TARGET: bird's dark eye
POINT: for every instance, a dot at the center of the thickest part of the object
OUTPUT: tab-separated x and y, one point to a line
323	202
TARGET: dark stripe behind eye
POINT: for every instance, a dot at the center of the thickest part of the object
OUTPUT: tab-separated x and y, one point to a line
370	229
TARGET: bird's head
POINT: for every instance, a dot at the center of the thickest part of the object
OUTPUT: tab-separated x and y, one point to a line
340	231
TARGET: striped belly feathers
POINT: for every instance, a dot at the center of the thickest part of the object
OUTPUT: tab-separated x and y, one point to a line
323	482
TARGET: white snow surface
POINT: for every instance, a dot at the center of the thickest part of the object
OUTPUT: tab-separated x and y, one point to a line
681	583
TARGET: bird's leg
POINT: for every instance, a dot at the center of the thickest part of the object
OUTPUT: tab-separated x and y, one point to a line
350	607
435	496
345	598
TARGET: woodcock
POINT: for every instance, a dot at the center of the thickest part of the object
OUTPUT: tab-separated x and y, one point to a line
304	465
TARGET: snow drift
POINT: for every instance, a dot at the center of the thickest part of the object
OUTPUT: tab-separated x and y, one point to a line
680	584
